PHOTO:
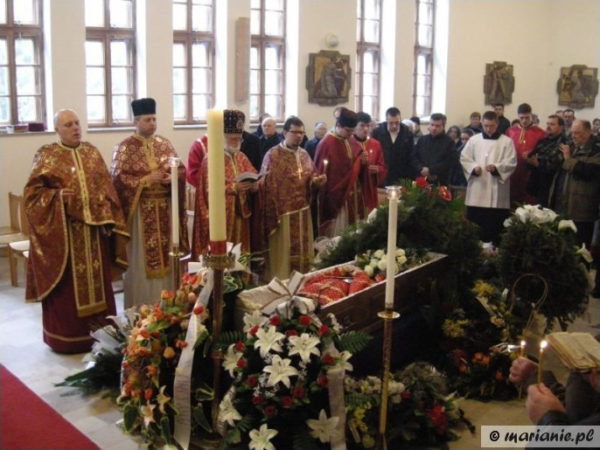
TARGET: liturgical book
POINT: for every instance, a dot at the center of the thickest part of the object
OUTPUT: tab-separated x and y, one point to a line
578	351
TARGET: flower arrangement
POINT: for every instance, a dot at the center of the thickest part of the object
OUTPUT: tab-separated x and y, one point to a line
537	241
281	368
151	354
420	409
374	263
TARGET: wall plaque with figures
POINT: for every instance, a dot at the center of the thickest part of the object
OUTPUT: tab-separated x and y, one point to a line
577	86
498	83
328	78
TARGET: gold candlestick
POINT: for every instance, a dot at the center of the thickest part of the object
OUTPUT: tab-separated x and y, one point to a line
176	255
217	262
387	315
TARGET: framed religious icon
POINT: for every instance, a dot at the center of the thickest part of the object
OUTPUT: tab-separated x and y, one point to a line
498	83
328	78
577	86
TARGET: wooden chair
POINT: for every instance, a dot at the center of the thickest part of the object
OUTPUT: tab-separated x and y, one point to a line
19	249
15	223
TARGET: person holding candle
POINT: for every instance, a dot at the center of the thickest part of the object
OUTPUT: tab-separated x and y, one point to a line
141	174
291	180
377	167
341	200
550	403
240	201
73	212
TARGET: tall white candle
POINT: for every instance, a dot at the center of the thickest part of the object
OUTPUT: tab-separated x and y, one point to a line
216	176
174	163
391	248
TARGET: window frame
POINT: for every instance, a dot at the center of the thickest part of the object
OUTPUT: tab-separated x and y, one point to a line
262	41
12	31
427	53
363	47
108	34
188	38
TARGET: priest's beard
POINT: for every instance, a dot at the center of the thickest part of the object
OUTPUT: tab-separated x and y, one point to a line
232	150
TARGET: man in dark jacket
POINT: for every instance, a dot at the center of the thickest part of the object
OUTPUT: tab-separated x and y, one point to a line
397	143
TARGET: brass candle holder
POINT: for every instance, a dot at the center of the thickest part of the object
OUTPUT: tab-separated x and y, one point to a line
388	315
176	255
218	263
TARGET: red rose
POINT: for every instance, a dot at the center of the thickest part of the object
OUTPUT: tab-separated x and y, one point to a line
252	381
323	330
270	411
241	363
298	392
148	394
328	359
444	193
257	400
145	333
181	344
199	309
287	401
291	332
304	320
421	182
275	321
254	330
323	381
438	418
406	395
239	346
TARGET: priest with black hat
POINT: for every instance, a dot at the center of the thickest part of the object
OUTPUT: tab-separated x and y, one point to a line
141	174
343	160
241	186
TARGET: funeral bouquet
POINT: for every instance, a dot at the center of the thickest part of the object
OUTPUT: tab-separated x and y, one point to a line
374	263
540	259
285	369
420	409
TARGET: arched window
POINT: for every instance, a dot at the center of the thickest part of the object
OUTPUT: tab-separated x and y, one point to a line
110	61
368	56
267	58
21	62
193	59
424	39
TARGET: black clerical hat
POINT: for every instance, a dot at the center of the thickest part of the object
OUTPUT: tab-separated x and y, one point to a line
347	118
143	106
233	121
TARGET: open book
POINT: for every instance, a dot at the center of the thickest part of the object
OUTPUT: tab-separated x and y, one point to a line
577	351
249	176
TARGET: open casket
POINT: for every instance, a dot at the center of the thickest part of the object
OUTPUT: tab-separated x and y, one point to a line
357	311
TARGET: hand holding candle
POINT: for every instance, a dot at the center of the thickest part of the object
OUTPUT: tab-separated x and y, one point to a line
543	345
391	247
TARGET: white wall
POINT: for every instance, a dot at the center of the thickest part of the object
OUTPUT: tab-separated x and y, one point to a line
537	37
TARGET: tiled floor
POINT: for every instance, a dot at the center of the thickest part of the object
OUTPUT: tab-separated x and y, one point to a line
24	354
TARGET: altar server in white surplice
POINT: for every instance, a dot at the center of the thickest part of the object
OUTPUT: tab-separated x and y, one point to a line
488	160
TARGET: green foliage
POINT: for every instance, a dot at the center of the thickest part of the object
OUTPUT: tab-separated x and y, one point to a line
226	338
551	254
354	341
103	374
130	417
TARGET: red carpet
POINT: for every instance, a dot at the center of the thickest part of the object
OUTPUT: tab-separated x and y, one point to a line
27	422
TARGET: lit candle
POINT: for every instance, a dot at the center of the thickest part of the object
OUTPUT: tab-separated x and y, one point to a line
325	162
543	345
391	247
522	350
174	163
216	176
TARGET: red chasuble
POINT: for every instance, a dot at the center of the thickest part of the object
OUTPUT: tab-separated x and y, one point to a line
133	161
525	140
238	210
373	149
346	179
68	266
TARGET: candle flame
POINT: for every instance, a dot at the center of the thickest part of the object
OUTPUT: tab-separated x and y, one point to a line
543	345
523	343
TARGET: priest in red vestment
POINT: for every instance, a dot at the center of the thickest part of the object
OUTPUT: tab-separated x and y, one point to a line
341	200
237	191
75	219
377	167
290	181
141	174
525	136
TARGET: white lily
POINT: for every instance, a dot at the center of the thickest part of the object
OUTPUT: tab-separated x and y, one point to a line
323	428
162	399
231	359
304	345
261	439
280	371
227	412
148	413
567	224
254	319
343	359
585	254
268	340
